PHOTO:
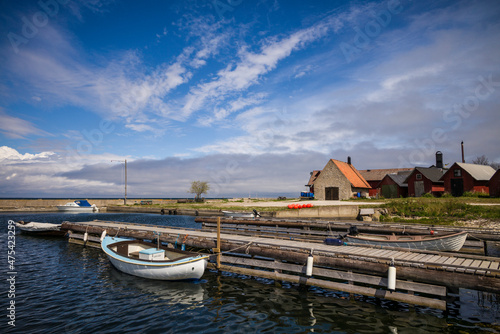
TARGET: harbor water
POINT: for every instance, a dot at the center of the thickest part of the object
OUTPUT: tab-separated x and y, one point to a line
51	286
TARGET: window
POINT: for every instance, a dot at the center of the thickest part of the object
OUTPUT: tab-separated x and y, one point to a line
457	173
418	176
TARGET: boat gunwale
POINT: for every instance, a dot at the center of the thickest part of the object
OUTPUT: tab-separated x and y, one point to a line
192	257
367	238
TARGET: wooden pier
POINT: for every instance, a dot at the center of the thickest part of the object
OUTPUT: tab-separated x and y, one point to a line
423	277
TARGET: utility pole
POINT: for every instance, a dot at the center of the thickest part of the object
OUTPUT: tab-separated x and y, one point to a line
125	161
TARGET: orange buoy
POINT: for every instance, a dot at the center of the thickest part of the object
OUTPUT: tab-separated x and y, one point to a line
290	206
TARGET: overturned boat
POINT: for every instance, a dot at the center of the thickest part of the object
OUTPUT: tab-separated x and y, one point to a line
149	260
42	229
237	214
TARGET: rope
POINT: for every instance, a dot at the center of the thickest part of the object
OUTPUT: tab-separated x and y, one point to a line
231	250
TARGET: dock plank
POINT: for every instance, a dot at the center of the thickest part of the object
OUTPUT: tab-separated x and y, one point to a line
458	261
494	265
485	264
476	264
466	263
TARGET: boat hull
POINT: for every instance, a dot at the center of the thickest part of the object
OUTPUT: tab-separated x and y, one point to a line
447	243
64	208
40	229
186	268
238	214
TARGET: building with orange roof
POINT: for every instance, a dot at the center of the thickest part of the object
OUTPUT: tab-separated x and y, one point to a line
338	181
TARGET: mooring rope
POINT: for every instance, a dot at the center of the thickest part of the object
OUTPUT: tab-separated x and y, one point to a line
231	250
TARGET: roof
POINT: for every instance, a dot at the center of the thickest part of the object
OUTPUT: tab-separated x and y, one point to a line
352	174
400	178
379	174
314	176
432	173
478	172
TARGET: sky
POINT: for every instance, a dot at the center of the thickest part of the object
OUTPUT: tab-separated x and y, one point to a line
249	96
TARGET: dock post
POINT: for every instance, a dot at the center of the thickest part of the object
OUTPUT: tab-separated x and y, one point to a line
218	243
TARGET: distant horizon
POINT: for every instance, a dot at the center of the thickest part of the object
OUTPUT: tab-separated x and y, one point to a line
248	96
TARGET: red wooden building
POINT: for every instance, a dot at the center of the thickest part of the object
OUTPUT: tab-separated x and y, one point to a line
462	177
424	180
495	184
393	185
375	176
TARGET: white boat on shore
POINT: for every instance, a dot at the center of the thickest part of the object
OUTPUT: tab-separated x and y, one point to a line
42	229
78	206
234	214
434	242
147	260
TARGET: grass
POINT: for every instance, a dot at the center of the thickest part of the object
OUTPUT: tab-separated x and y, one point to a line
427	209
440	210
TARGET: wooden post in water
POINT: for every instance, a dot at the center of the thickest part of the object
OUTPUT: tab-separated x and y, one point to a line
218	243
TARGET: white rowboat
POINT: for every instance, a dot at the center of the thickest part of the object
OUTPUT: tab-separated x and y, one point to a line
146	260
435	242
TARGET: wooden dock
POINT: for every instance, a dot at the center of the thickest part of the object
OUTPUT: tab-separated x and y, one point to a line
424	277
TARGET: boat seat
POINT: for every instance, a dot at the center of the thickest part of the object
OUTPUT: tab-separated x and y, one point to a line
134	254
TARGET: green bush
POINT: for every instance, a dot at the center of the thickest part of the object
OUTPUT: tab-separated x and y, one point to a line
475	194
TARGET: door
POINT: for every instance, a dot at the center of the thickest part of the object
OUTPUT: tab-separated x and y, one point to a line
419	188
390	191
457	187
332	193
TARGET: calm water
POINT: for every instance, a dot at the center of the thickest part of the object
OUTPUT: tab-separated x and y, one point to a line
66	288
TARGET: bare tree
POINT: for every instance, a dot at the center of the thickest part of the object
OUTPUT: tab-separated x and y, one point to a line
198	188
483	160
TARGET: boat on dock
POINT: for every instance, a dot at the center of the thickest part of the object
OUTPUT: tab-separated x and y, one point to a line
41	229
433	242
149	260
78	206
237	214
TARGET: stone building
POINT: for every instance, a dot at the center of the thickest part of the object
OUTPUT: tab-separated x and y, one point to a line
339	181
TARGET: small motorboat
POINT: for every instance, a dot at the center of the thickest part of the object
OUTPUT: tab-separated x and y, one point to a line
78	206
234	214
435	242
153	261
42	229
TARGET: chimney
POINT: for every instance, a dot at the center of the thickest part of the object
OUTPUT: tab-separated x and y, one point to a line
463	157
349	160
439	159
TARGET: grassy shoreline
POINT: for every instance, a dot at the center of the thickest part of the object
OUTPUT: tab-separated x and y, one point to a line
421	210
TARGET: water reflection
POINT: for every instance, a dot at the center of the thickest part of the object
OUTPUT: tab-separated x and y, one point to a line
185	293
64	287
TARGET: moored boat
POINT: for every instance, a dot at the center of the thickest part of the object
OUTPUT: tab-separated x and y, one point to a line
235	214
148	260
42	229
435	242
78	206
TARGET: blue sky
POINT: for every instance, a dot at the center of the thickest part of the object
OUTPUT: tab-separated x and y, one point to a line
248	95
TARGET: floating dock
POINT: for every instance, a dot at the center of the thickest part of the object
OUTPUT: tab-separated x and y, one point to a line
424	278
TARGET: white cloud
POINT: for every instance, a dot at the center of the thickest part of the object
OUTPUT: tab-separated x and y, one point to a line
17	128
251	67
